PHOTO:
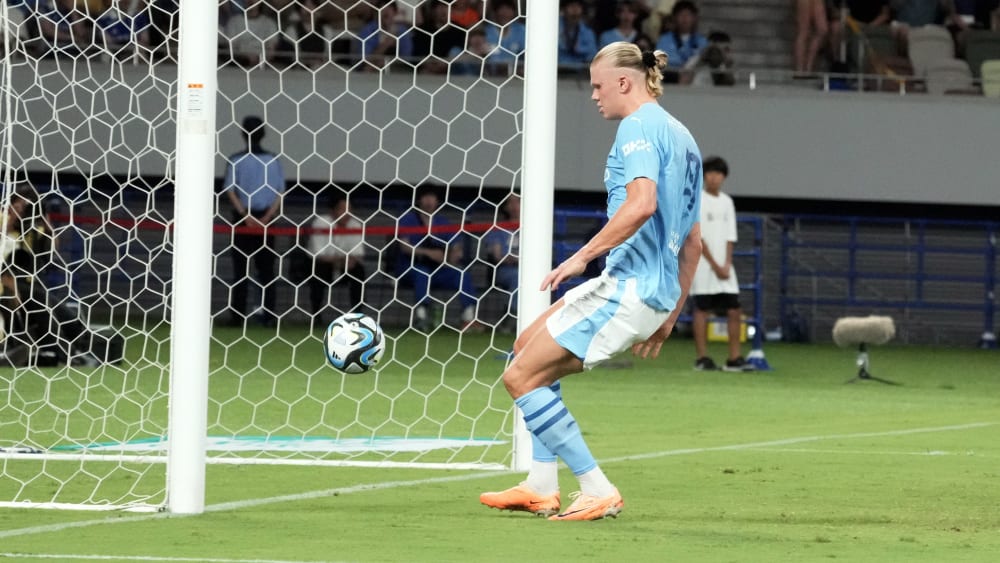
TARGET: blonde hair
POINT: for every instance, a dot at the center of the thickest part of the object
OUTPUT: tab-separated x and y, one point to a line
621	54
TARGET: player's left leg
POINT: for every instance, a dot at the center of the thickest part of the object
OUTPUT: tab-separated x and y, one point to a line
539	492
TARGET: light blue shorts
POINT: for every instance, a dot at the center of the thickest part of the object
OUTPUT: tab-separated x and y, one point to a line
603	317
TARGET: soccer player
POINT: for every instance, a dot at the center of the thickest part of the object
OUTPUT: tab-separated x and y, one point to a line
653	177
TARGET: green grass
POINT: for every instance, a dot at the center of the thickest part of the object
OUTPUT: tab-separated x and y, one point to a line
789	465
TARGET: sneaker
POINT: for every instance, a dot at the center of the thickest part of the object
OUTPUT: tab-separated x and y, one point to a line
523	498
705	364
738	364
586	507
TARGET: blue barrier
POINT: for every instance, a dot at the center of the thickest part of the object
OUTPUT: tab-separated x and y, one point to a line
919	248
564	247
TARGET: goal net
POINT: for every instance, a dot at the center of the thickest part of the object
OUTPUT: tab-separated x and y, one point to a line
375	102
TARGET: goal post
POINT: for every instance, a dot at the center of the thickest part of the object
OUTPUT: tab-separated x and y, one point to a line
138	379
190	330
538	180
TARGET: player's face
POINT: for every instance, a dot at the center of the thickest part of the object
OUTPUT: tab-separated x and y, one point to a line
606	82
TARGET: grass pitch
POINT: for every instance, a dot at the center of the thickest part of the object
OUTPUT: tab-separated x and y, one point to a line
787	465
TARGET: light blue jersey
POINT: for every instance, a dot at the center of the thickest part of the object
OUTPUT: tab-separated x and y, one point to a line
652	144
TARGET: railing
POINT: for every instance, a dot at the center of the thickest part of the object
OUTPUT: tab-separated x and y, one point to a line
925	268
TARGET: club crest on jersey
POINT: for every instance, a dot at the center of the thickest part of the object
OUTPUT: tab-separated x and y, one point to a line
637	145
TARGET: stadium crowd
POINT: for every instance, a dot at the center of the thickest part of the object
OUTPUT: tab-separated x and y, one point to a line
467	36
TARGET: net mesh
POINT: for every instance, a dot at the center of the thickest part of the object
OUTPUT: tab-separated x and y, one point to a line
369	101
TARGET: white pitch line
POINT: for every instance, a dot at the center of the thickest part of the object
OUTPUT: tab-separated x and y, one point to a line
237	505
801	440
929	453
64	557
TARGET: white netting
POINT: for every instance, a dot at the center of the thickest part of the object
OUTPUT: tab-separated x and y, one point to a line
88	125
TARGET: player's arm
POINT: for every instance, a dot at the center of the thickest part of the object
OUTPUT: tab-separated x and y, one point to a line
687	259
229	184
638	207
272	211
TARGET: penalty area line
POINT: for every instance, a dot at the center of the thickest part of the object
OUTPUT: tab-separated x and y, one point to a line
311	495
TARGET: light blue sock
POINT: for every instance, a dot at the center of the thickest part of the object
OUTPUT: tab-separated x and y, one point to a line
552	424
539	451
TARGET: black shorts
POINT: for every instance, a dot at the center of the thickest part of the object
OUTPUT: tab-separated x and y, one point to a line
717	303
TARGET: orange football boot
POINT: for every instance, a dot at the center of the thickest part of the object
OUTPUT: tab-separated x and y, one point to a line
586	507
523	498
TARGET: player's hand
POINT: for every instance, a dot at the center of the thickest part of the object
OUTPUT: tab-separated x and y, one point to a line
651	347
570	268
722	272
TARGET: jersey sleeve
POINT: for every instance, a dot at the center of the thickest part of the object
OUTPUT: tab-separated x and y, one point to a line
639	153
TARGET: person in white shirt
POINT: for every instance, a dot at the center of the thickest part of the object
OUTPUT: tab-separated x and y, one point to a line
252	35
715	288
337	255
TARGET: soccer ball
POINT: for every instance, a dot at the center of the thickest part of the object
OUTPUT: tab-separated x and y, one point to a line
354	343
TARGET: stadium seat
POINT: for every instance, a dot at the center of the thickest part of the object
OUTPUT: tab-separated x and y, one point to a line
981	45
990	74
949	76
929	43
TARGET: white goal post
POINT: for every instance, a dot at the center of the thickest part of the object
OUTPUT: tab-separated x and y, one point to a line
155	372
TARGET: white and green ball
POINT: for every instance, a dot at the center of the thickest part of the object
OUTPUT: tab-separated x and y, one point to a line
354	343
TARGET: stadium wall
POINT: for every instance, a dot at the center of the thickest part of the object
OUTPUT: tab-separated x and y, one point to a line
788	143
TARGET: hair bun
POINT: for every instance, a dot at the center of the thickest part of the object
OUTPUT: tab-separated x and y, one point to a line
648	59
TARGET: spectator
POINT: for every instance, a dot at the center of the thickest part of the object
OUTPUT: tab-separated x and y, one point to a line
37	332
64	30
253	36
304	41
658	21
811	28
625	28
433	259
577	42
124	30
715	288
918	13
506	36
503	249
164	20
964	15
337	256
435	38
254	184
469	61
645	42
384	38
908	14
683	42
465	13
867	13
715	62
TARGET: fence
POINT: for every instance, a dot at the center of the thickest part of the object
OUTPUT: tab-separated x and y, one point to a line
933	273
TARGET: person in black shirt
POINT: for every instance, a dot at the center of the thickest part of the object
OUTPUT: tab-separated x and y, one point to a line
434	39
